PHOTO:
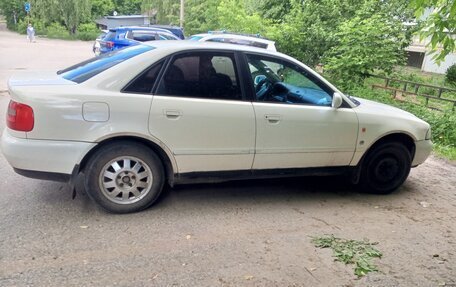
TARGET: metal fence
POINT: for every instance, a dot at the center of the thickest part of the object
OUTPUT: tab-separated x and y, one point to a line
434	97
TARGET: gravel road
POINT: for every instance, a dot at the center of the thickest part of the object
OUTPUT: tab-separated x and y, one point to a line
251	233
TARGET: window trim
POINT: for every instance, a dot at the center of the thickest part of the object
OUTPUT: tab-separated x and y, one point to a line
274	58
163	62
237	67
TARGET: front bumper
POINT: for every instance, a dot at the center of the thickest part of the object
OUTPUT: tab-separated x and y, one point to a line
422	151
46	156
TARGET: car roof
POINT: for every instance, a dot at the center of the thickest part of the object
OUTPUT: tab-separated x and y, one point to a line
234	36
192	45
140	28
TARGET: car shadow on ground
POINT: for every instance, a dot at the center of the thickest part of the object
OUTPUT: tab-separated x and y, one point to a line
309	190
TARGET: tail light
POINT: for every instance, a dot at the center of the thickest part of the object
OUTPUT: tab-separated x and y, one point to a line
20	117
109	44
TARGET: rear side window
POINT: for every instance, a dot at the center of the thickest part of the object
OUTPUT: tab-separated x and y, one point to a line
207	75
143	36
144	83
87	69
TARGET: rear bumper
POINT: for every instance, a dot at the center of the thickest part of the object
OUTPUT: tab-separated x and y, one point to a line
43	157
422	151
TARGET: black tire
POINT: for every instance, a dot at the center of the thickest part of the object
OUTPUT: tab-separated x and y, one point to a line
138	177
385	168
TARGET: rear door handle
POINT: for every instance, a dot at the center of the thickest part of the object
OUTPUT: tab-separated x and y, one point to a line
173	114
273	119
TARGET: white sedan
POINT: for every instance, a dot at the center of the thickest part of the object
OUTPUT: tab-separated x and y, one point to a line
134	119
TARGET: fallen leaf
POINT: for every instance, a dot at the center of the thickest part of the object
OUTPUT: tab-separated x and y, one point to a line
248	277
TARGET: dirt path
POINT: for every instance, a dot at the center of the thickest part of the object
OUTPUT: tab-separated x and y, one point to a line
253	233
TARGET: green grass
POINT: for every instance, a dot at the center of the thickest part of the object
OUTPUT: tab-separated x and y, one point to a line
359	253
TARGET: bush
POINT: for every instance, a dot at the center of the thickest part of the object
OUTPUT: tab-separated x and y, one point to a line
87	36
57	31
87	32
39	26
450	76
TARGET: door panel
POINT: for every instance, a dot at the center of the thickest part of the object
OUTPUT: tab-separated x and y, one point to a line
298	136
296	125
205	135
199	113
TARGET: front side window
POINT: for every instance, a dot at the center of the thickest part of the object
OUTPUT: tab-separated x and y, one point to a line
209	75
280	81
89	68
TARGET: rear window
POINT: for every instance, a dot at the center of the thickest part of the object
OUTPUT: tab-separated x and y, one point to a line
89	68
110	36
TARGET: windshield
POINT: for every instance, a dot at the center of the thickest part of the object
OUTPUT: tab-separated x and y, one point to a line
195	38
85	70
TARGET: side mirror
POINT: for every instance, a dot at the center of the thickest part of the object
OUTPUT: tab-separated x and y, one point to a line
336	101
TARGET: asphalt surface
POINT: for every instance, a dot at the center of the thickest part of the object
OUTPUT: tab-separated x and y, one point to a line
250	233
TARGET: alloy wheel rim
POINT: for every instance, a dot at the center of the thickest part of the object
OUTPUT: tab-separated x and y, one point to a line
125	180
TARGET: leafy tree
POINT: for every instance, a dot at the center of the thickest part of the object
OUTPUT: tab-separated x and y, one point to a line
102	7
200	16
74	12
364	44
128	7
12	9
440	25
233	16
272	9
167	10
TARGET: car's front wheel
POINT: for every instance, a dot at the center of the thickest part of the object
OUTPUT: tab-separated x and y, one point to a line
124	177
385	168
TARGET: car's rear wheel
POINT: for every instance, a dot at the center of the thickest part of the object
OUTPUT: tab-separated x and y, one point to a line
124	177
385	168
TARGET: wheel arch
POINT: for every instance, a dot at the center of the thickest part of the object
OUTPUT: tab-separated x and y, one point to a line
407	140
400	137
167	160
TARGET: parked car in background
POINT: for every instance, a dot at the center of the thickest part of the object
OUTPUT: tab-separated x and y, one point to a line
176	30
233	38
126	36
96	44
186	112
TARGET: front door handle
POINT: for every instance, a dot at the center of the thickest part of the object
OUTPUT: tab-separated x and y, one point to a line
273	119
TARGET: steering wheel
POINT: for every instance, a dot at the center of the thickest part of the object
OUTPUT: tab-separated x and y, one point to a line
262	89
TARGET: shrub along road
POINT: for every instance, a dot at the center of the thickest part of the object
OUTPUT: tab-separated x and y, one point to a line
253	233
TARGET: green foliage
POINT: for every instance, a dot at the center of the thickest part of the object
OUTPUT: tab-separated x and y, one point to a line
450	75
87	32
74	12
355	252
167	10
200	16
364	45
440	26
102	7
128	7
57	31
39	26
9	8
443	124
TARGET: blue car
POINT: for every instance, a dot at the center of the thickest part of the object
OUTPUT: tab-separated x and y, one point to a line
127	36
